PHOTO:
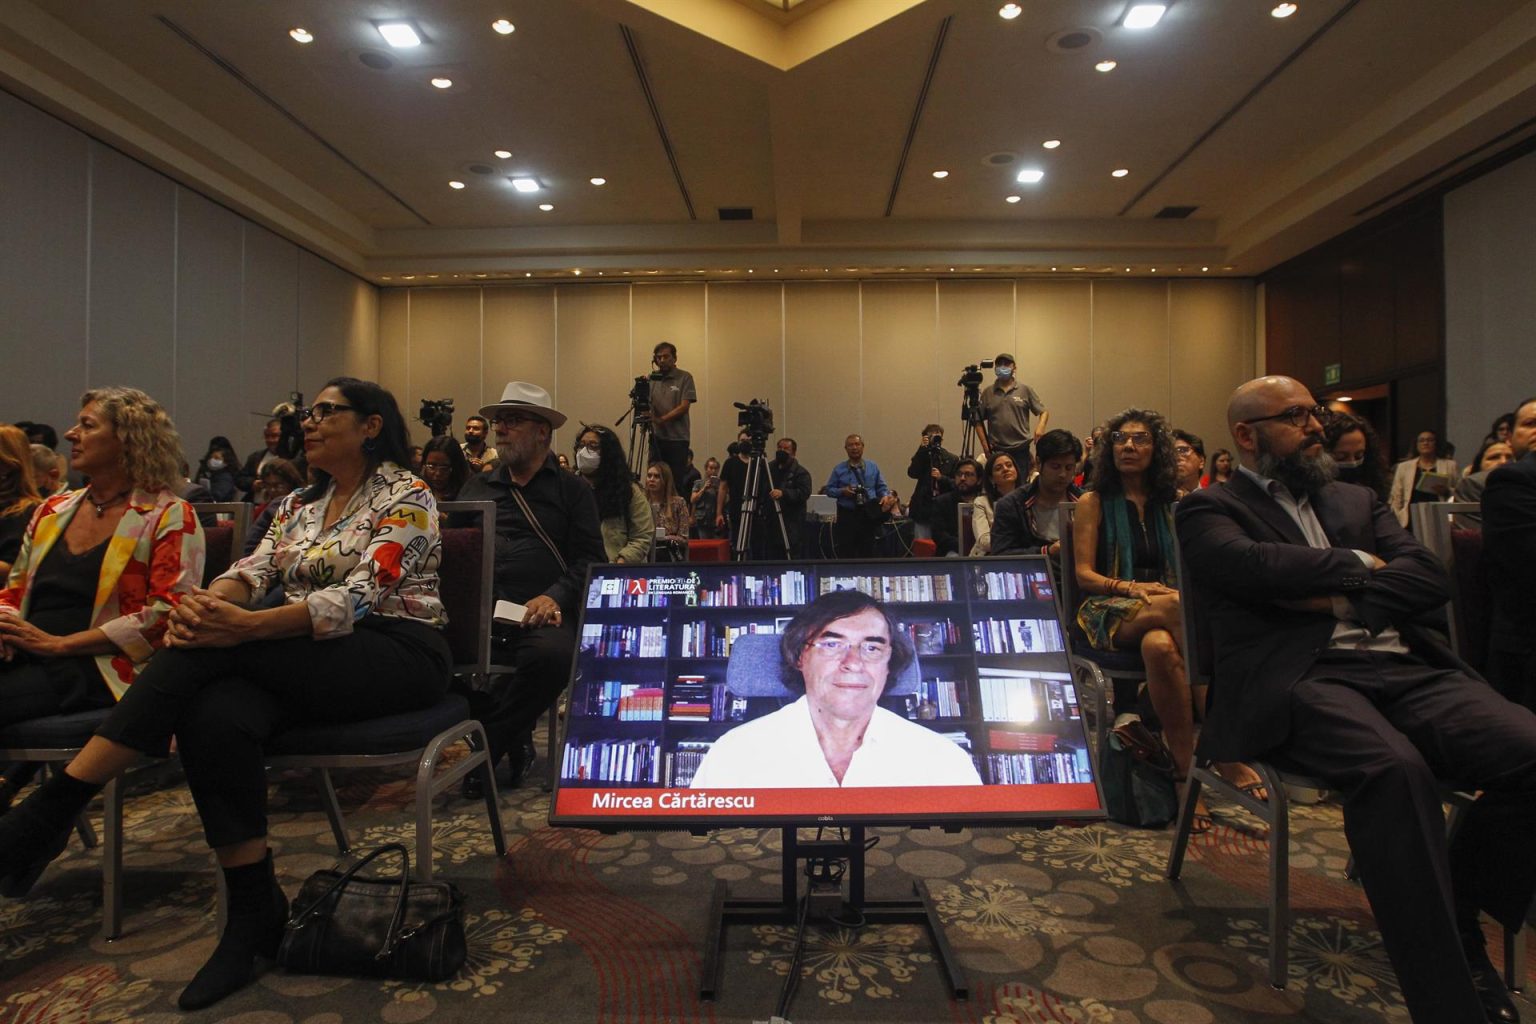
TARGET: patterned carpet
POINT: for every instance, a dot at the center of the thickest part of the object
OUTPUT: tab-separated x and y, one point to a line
1063	925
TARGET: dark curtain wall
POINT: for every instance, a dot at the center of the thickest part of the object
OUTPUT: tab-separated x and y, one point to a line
1373	301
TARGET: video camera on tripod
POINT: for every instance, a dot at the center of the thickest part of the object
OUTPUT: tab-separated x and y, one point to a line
756	419
291	443
436	415
640	394
972	415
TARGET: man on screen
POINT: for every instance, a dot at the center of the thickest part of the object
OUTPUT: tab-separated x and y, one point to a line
840	650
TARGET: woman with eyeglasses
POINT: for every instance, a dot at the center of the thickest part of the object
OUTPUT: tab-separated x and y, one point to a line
628	528
358	637
1000	480
1127	568
444	467
1423	476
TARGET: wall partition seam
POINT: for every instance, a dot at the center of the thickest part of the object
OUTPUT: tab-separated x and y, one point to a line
783	361
480	372
409	348
1093	403
554	302
175	298
90	230
1168	347
708	349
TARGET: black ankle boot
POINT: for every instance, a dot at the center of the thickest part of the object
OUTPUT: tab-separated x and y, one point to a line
257	911
36	831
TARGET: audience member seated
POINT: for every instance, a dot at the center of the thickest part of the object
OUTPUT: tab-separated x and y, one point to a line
18	494
1501	429
547	534
81	614
934	470
1310	593
1084	478
1509	557
628	529
359	637
669	511
564	462
1351	441
792	489
1425	476
1489	457
248	480
279	478
415	457
444	467
1189	456
997	482
704	499
945	512
1221	468
863	501
1028	521
48	470
218	470
1122	540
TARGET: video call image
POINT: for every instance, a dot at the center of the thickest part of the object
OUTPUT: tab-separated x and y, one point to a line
861	690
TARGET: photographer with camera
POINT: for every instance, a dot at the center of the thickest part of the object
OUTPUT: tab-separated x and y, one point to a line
863	502
672	392
1007	405
934	470
477	453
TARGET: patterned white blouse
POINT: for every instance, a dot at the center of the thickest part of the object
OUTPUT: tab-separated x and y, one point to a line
380	557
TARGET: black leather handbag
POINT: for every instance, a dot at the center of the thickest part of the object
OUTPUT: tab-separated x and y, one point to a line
375	927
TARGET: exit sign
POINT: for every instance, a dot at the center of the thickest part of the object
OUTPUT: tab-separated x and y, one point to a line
1332	373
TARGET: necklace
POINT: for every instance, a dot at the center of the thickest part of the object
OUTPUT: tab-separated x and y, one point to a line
102	506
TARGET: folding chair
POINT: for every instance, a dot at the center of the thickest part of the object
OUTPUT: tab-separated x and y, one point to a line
224	540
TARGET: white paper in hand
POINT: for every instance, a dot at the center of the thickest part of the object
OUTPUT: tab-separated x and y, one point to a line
506	611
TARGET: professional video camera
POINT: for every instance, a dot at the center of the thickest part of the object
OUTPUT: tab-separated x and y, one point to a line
971	377
287	415
756	418
437	415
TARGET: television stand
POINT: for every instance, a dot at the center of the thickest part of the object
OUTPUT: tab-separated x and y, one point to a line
918	910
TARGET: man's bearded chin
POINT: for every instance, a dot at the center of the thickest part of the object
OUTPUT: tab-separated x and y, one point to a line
1298	472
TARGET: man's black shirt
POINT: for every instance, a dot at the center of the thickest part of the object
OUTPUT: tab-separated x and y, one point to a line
566	508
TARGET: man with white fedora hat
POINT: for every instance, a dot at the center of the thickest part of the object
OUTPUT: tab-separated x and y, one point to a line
547	533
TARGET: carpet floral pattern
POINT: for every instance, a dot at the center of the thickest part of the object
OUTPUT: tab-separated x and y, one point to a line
1069	925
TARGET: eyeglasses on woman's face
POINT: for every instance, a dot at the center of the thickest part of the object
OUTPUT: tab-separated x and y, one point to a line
1136	438
320	411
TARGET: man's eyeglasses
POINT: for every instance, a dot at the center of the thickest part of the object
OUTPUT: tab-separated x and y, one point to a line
320	410
836	647
512	419
1139	438
1297	415
1182	450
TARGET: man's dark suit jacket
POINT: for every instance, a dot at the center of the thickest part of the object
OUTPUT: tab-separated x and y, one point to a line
1509	552
1243	553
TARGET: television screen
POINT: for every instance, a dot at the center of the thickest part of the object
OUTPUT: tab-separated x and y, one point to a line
720	694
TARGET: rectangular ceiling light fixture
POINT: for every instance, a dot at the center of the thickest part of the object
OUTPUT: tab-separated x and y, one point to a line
525	184
1144	15
402	35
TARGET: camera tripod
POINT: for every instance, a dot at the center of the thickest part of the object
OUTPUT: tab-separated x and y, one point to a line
639	439
757	475
973	430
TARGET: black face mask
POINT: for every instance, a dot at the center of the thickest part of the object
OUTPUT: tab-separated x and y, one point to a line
1350	474
781	456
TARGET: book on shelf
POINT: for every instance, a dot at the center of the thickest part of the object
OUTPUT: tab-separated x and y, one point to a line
613	640
696	699
1027	769
912	587
756	590
609	592
627	702
612	761
1014	586
1017	636
714	639
933	637
935	698
1012	695
683	762
1021	742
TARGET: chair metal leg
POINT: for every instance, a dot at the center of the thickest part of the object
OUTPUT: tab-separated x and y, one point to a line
551	766
472	734
1183	828
1514	959
327	790
1279	878
112	860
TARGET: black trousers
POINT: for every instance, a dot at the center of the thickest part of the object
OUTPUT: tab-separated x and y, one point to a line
223	704
33	687
674	454
513	703
1513	673
1381	730
854	533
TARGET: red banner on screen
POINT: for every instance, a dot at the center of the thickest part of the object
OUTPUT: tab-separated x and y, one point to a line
801	803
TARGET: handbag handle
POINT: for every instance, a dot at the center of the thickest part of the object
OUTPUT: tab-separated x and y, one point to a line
392	936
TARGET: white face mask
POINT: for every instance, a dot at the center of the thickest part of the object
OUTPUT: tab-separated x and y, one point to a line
587	460
215	464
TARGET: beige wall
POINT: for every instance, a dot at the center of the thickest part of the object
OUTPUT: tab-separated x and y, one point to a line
111	273
880	358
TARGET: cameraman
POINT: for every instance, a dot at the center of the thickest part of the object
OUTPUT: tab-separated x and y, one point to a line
1008	405
672	392
728	499
480	455
864	502
791	489
934	470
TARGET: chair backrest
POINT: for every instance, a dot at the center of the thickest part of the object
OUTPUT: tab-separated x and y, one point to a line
1067	597
236	513
1460	550
754	670
965	530
219	546
466	584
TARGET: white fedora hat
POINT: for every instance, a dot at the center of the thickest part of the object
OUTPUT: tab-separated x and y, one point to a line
529	398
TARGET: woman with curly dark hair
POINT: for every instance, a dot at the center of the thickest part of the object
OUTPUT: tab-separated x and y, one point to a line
1352	443
444	467
626	512
1122	536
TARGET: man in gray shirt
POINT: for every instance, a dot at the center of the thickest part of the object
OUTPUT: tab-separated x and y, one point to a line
1008	405
672	392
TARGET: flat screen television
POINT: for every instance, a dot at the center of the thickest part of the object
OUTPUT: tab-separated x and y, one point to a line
713	695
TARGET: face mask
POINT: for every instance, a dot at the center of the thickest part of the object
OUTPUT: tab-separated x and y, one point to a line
1003	372
587	460
215	464
1348	463
781	456
1350	474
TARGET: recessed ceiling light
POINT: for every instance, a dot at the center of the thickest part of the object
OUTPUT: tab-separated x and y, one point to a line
503	26
546	207
1144	15
1343	398
1204	270
402	35
1009	11
525	184
1030	176
503	154
1119	172
941	174
749	270
442	83
577	272
527	273
301	35
1053	270
1105	65
1011	199
455	184
1051	143
1283	11
1127	270
407	277
1154	270
598	181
